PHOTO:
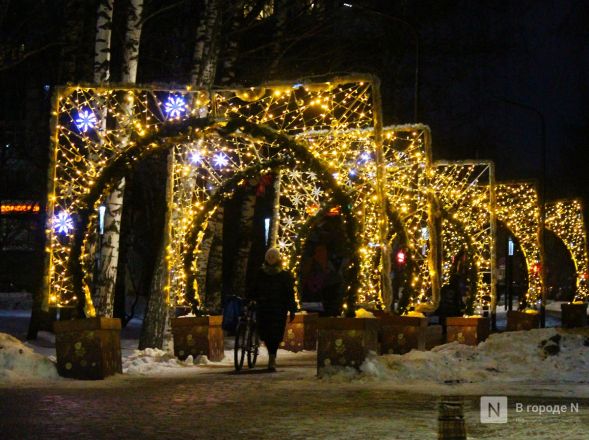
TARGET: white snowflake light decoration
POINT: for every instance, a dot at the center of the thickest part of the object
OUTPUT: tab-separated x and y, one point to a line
296	200
220	160
86	120
316	192
175	106
365	157
63	223
288	221
196	157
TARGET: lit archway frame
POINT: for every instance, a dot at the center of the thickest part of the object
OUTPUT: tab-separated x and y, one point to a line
565	219
408	162
170	137
142	148
409	204
336	196
456	242
518	208
84	144
466	191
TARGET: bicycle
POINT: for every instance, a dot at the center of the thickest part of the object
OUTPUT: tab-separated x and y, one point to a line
247	340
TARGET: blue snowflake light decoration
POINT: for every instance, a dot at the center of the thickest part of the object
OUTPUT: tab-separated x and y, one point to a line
221	160
364	158
86	120
175	106
195	157
63	223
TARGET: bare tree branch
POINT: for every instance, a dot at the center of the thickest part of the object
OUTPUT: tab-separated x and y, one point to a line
28	55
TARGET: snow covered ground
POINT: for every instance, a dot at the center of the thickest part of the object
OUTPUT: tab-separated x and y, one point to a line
391	394
547	361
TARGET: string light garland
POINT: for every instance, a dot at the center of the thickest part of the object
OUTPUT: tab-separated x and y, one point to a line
565	219
518	207
203	159
465	190
334	158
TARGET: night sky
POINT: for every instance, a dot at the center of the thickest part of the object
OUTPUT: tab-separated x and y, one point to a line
489	71
530	62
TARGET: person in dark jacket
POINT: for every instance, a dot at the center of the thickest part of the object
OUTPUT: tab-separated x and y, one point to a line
450	300
274	295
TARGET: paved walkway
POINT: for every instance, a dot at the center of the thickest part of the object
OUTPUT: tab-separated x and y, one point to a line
213	402
217	403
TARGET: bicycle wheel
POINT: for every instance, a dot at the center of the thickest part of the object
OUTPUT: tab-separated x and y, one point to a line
253	345
240	345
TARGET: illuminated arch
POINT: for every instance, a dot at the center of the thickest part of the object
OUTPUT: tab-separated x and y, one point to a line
518	208
169	138
408	161
335	196
98	132
465	190
565	219
457	243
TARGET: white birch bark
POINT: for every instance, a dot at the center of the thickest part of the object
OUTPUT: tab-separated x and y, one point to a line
204	66
114	203
102	44
132	39
108	252
204	60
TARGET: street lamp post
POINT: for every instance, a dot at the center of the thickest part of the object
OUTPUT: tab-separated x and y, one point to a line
415	35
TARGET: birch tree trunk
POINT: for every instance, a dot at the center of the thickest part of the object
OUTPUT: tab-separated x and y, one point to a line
109	252
231	48
206	49
102	45
204	66
275	224
246	217
156	331
132	39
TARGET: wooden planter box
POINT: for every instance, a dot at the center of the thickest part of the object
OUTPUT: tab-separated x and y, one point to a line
401	334
301	334
200	335
88	348
517	320
469	331
574	315
345	341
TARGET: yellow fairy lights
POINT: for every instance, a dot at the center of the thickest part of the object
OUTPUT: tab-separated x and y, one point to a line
465	191
518	207
397	196
565	219
407	151
94	127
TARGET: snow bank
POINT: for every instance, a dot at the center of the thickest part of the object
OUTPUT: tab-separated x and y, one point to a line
19	362
155	361
363	313
543	355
